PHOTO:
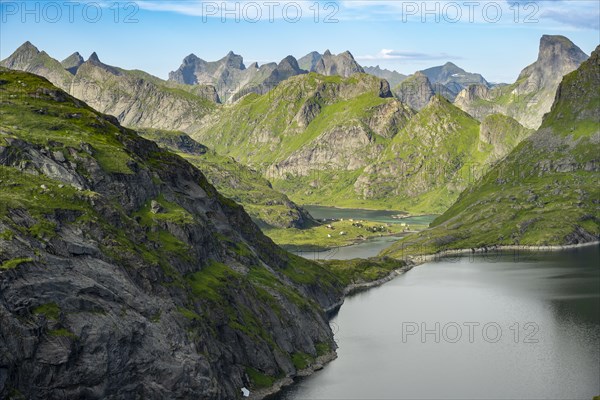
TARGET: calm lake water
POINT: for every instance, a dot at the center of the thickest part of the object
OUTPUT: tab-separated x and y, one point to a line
368	248
519	326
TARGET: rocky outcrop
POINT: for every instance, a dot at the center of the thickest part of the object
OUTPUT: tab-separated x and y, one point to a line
531	96
415	91
266	206
342	64
104	298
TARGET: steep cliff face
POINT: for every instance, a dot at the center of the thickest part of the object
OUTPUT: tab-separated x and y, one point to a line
545	192
531	96
125	274
137	99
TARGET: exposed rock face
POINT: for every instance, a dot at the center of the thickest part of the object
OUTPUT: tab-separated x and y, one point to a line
416	91
344	140
531	96
342	64
394	78
137	99
544	192
102	298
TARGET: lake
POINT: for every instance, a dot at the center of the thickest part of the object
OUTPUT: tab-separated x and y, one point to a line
517	326
367	248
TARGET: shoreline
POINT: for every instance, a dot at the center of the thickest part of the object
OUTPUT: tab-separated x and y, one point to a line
412	262
422	258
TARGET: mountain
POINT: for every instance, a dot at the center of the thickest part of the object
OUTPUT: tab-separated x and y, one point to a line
545	192
415	90
434	157
73	62
309	61
394	78
231	77
28	58
453	78
125	274
136	98
309	131
342	64
266	206
531	96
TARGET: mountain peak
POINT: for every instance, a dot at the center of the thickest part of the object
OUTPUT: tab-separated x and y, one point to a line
554	47
94	58
73	62
190	59
327	53
27	46
233	60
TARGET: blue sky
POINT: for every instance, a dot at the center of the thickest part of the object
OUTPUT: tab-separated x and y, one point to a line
495	38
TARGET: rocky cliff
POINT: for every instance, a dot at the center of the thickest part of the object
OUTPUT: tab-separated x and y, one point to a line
531	96
125	274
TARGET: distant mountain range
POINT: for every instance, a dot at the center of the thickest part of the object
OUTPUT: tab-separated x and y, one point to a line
322	129
233	80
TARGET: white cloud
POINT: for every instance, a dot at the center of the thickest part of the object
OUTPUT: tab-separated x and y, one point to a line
400	55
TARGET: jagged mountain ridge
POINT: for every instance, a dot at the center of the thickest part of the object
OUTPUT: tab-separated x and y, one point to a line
393	77
233	80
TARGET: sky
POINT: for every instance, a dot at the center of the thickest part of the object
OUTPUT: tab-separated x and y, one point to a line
495	38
